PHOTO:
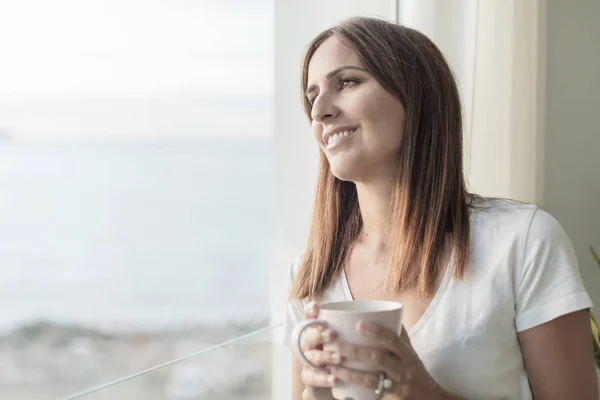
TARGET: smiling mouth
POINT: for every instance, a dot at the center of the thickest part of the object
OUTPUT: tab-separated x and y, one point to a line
338	138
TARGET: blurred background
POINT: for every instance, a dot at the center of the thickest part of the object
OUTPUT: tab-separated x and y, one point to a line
136	167
157	173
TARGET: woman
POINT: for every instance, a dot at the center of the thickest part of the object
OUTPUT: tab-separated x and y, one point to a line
494	306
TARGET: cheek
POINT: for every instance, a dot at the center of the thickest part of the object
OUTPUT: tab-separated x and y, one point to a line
316	130
386	122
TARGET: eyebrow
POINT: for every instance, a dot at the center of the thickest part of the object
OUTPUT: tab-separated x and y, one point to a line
333	73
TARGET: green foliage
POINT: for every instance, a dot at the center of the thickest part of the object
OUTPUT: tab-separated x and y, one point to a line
596	256
596	354
596	339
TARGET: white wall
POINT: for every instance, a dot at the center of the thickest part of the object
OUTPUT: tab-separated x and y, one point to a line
572	149
452	25
296	156
496	49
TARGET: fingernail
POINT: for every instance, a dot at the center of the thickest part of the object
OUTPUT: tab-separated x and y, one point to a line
328	335
331	379
361	326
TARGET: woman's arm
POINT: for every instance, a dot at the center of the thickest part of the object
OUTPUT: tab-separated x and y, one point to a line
559	358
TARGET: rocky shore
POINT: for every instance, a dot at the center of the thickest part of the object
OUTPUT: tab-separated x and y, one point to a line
49	361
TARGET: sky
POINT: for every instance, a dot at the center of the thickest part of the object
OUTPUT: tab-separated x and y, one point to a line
136	69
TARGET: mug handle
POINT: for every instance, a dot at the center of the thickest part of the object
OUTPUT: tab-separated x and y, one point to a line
297	346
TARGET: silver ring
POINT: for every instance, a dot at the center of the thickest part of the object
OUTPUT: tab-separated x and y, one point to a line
384	384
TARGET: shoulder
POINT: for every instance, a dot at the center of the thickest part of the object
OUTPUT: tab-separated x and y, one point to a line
522	251
515	232
499	223
516	221
544	227
295	266
300	271
496	211
294	308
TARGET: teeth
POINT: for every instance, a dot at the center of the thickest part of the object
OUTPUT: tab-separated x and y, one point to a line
333	139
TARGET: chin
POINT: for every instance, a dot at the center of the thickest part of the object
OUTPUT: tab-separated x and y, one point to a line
348	166
347	173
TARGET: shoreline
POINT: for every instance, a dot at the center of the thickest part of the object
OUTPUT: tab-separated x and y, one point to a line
45	359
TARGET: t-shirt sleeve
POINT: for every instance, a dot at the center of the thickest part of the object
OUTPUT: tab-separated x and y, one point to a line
550	283
294	310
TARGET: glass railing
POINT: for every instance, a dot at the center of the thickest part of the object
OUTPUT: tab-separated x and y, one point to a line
238	369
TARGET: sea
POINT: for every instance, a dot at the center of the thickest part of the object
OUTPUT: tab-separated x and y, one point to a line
135	235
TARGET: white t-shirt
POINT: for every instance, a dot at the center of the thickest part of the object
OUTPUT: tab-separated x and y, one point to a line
522	272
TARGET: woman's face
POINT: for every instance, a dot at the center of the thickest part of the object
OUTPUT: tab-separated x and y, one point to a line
357	123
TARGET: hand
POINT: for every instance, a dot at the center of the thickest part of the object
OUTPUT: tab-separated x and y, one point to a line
396	359
317	384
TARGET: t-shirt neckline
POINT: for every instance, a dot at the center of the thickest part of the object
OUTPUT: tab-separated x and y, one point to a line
432	306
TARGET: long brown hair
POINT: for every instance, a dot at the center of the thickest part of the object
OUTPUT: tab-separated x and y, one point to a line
430	200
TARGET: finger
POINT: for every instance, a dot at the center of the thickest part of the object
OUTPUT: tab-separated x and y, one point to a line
321	358
382	336
313	378
316	336
404	335
313	393
401	386
365	379
311	311
312	337
379	358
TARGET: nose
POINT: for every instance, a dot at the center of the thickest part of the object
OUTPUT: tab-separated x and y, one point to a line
324	108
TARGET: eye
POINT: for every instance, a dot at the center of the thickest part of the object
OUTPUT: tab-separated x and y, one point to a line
345	83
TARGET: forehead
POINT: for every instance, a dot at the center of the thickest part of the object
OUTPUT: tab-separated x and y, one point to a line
331	54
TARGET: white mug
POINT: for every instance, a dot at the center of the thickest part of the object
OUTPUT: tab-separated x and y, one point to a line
342	317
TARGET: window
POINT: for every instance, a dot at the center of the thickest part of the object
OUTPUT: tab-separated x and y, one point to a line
136	172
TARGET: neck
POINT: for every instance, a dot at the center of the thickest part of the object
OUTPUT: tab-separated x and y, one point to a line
374	199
